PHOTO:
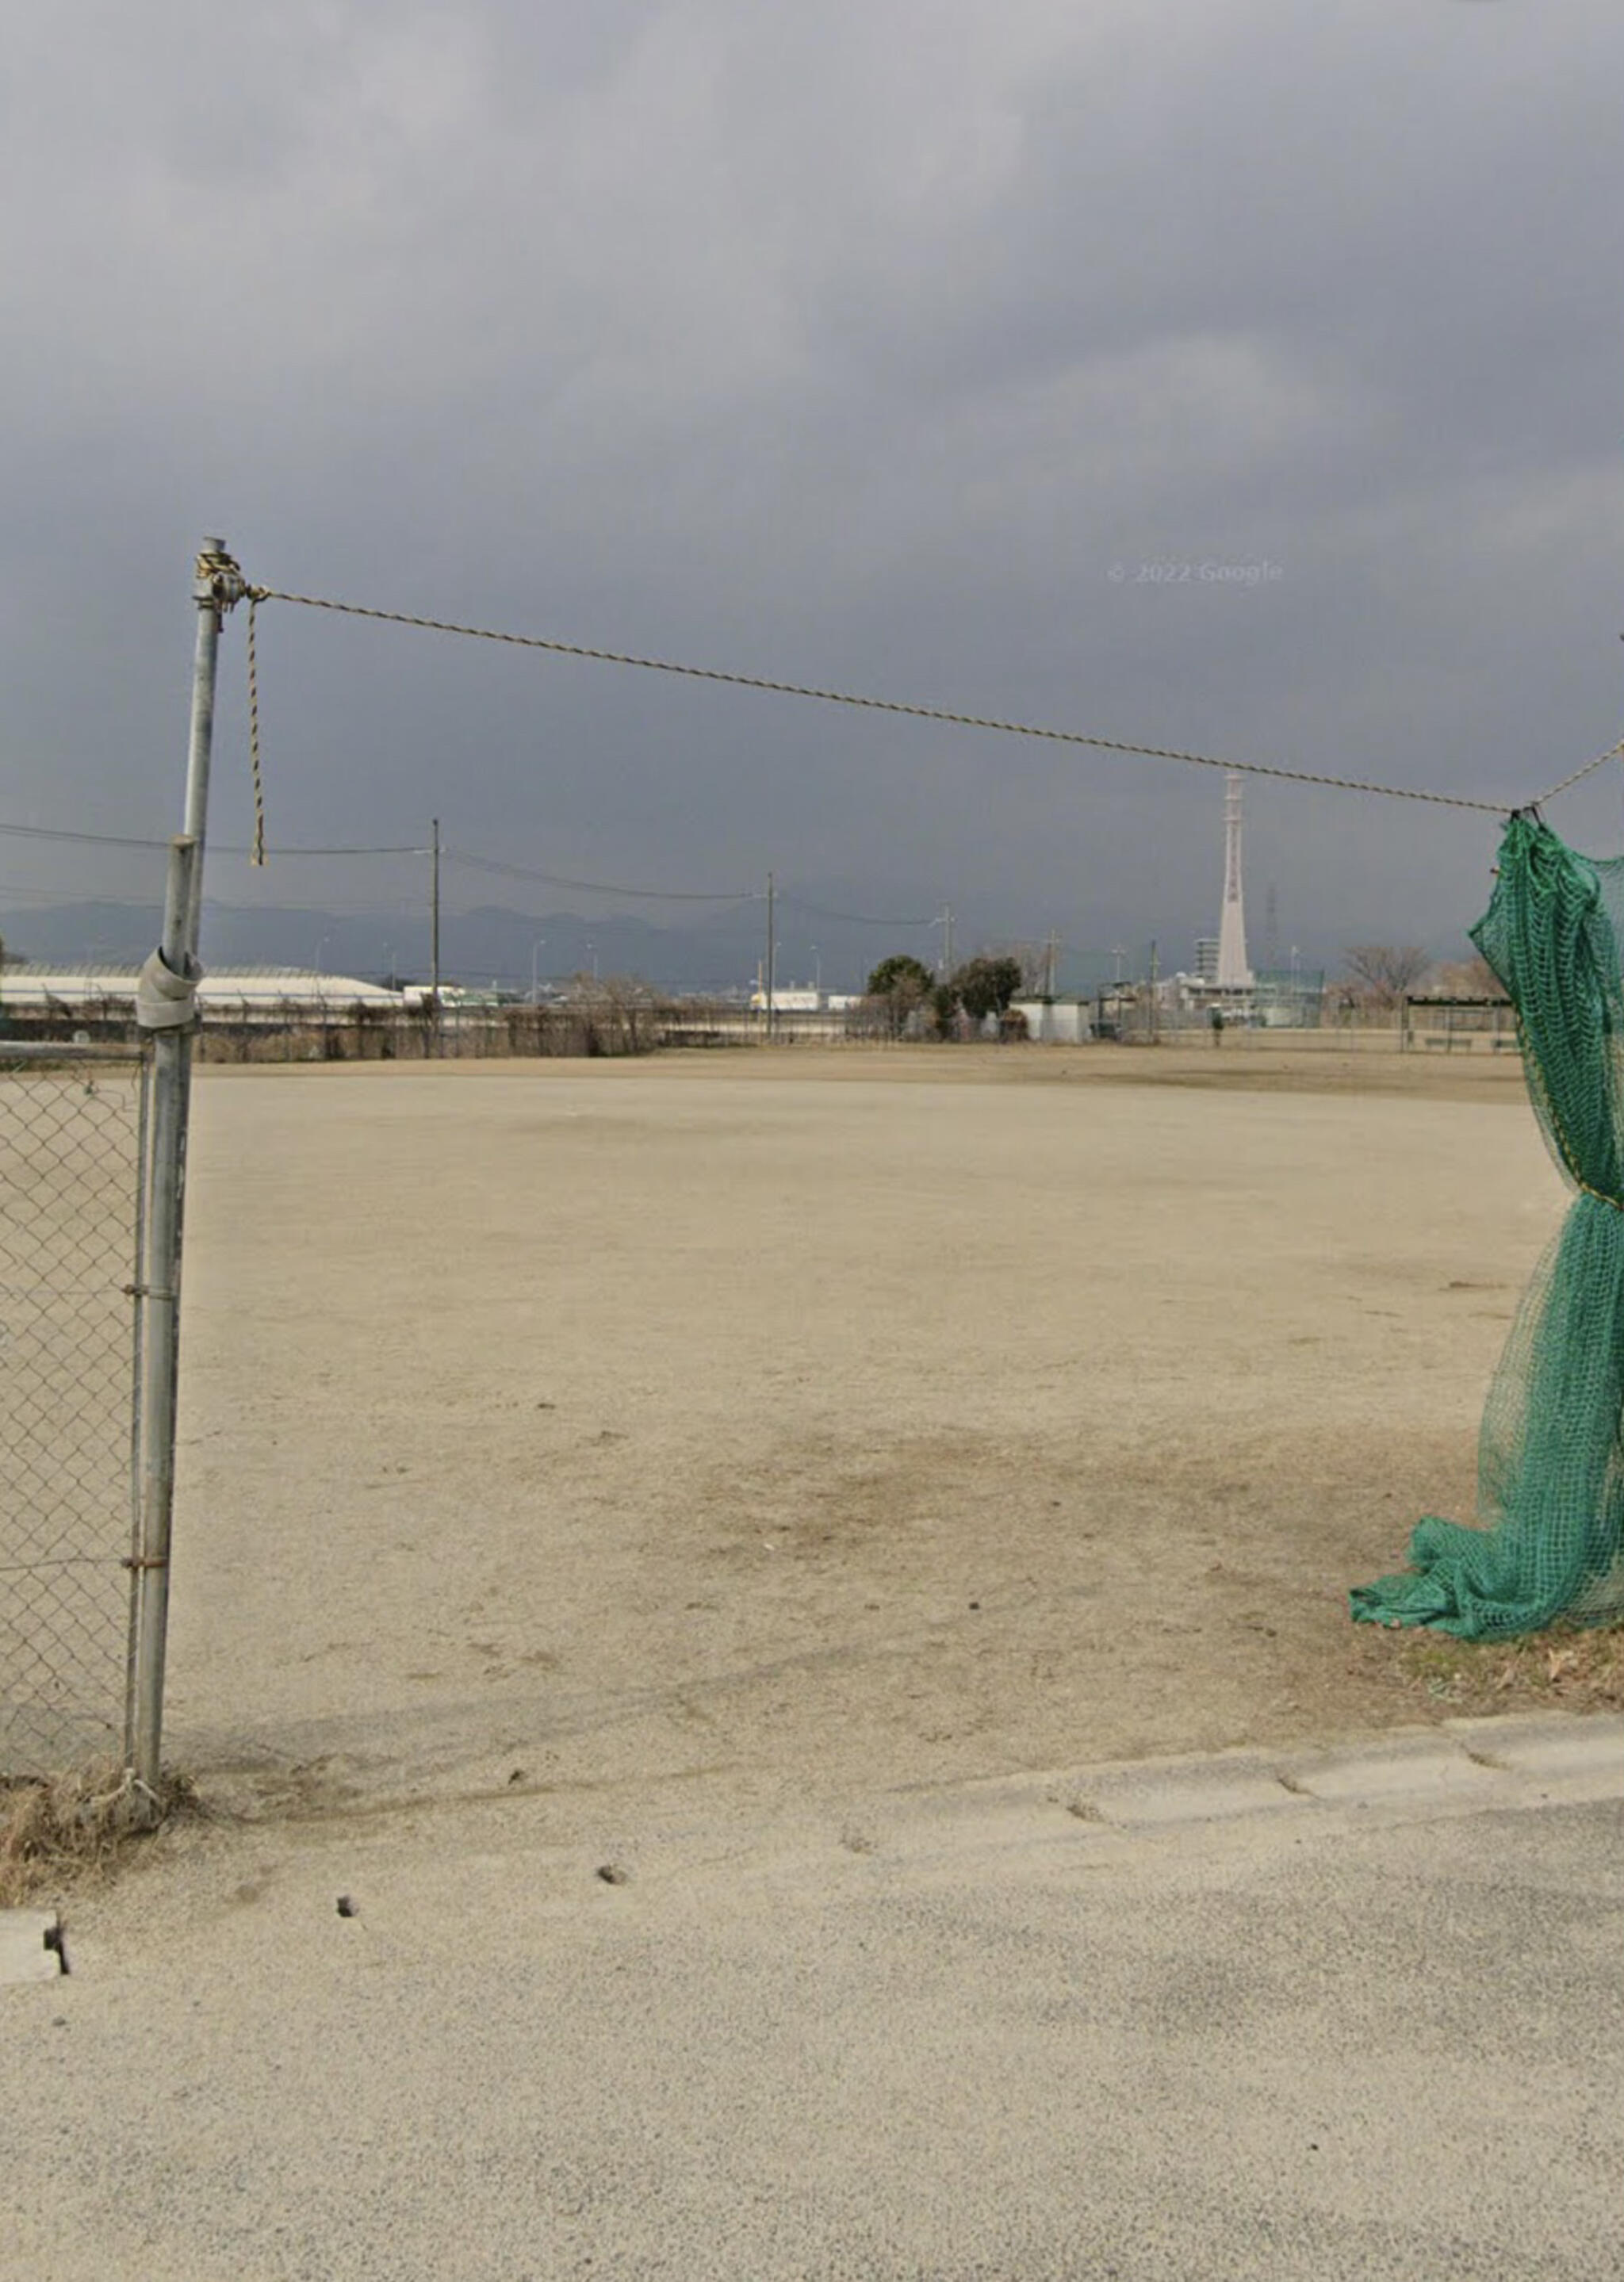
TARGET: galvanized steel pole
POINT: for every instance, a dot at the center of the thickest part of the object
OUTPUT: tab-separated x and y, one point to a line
217	587
159	1298
200	745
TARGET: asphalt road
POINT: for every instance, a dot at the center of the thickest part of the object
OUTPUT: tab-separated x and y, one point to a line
1176	2022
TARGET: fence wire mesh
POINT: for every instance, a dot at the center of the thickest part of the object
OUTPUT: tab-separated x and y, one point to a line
71	1139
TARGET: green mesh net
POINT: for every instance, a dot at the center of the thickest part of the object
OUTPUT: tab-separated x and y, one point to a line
1550	1467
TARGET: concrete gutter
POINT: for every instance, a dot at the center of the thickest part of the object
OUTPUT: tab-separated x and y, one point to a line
1462	1766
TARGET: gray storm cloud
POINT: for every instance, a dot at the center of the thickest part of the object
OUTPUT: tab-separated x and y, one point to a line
853	343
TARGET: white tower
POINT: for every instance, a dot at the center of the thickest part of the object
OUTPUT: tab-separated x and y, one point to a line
1234	972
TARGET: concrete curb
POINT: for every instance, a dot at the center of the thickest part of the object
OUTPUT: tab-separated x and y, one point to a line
1462	1766
1554	1745
30	1945
1470	1764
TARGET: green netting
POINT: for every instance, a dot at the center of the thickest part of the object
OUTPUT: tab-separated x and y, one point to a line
1550	1474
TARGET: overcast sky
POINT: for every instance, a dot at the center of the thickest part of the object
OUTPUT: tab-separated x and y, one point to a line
882	343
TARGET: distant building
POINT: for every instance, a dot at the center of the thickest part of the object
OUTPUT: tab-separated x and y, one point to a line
1056	1022
1222	978
266	994
788	1001
1233	974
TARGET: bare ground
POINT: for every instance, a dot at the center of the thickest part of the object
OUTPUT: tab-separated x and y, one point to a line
749	1428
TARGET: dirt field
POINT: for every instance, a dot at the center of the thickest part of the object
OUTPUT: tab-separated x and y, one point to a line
755	1428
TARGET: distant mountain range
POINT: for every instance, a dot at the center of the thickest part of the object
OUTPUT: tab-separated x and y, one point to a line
491	945
719	952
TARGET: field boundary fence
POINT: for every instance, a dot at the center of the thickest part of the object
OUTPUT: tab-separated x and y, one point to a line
73	1130
1427	1022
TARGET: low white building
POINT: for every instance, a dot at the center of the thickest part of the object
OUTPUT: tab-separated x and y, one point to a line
226	995
788	1000
1056	1022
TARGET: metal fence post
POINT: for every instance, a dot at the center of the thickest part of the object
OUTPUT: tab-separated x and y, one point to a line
217	586
160	1322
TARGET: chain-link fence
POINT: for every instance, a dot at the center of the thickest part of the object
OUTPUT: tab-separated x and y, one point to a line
71	1145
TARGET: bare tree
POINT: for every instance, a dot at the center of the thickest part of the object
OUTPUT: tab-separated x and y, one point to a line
1466	978
1033	960
1383	973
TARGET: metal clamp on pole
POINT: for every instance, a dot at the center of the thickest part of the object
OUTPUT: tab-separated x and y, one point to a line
217	581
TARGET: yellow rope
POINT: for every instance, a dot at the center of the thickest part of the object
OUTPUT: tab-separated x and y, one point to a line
257	855
874	705
1600	761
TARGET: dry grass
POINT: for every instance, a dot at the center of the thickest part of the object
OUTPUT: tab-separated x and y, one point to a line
73	1827
1562	1669
782	1459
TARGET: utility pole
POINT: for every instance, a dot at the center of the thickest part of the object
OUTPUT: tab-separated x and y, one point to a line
1050	953
434	919
944	920
770	976
434	939
1155	978
166	1005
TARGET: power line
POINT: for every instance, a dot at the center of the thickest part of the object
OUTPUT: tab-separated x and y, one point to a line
853	919
227	847
466	857
881	704
597	887
87	839
219	848
52	898
448	855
